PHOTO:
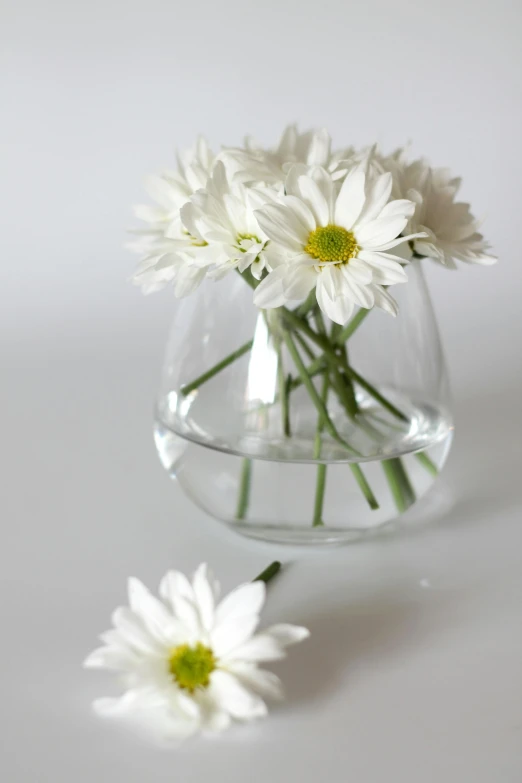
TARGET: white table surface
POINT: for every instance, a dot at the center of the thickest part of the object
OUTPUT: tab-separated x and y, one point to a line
413	671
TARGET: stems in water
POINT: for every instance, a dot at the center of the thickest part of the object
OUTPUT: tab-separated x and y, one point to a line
320	485
206	376
312	391
350	328
401	488
283	383
427	463
244	489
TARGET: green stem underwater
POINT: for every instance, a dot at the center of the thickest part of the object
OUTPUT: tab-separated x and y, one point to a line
244	489
206	376
320	485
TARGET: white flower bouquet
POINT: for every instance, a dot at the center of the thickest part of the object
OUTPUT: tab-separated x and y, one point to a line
321	237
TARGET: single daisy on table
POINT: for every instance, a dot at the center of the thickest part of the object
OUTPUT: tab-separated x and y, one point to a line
336	240
190	662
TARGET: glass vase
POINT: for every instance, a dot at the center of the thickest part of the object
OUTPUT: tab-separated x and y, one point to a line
289	428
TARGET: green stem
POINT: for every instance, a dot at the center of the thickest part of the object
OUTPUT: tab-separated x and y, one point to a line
269	572
320	485
206	376
401	488
349	384
364	486
332	357
350	328
309	303
304	345
427	463
312	391
283	393
244	488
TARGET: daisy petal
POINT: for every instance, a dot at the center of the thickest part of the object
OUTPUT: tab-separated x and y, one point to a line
299	282
271	293
153	613
259	648
264	683
286	634
233	697
378	232
173	584
377	198
232	633
204	595
247	599
350	200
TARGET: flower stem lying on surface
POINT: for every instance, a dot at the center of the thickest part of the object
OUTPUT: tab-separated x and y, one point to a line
244	489
401	488
269	572
206	376
321	468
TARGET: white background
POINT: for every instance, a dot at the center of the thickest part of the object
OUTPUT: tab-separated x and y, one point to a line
413	670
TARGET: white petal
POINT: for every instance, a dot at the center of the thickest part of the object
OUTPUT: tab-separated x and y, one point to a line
264	683
319	151
117	707
385	270
400	240
385	301
303	213
111	658
233	697
338	309
134	631
378	232
350	200
314	198
204	594
271	292
152	611
398	208
173	584
286	634
352	290
279	223
259	648
377	197
299	281
247	599
231	633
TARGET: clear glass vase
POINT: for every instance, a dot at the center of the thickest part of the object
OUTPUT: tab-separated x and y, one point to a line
292	429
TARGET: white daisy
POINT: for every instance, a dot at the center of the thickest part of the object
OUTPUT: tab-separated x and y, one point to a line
188	662
452	231
222	216
312	148
336	241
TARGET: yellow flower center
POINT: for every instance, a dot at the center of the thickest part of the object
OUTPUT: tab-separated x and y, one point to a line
191	667
247	237
332	243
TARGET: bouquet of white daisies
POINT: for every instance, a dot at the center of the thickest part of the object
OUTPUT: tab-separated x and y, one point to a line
321	236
